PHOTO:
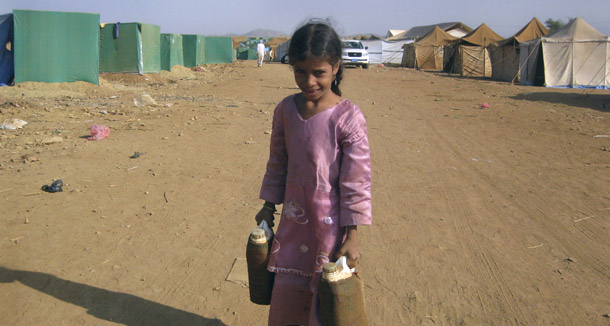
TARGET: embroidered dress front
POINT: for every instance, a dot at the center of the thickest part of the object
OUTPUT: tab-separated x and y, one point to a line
319	169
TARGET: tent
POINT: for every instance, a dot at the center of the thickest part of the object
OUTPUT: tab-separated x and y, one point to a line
364	37
237	40
375	50
505	54
391	51
217	49
577	55
455	29
193	49
273	44
247	48
56	47
130	48
392	32
282	50
427	53
171	51
469	56
7	59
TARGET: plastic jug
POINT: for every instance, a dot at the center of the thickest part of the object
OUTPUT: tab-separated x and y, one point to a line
260	280
341	294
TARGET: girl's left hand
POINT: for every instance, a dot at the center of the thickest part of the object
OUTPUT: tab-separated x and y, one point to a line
350	248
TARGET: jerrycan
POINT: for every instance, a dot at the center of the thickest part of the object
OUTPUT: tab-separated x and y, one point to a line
260	280
341	295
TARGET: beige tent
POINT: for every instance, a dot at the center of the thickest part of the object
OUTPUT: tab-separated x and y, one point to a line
392	32
427	53
273	44
455	29
505	54
363	37
237	40
469	56
577	55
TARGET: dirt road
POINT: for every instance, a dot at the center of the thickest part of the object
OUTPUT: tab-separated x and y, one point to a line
482	216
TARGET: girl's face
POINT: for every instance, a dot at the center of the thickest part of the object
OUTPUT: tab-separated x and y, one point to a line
314	77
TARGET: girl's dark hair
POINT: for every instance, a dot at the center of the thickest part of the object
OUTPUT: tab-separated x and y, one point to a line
317	40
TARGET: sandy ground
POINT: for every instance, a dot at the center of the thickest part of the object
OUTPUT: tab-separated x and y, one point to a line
482	216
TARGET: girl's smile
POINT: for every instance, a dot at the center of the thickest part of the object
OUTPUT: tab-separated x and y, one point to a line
314	77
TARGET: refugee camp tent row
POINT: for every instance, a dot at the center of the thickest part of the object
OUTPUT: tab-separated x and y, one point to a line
427	53
49	46
364	37
505	55
394	32
55	47
247	48
469	56
7	66
171	51
575	56
130	48
455	29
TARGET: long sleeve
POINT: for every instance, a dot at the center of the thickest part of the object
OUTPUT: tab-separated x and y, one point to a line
274	182
355	175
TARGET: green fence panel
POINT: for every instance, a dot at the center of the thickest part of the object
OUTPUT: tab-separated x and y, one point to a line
193	50
134	48
218	49
56	47
171	51
151	48
120	54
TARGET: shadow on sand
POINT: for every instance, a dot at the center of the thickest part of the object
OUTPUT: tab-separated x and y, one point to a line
112	306
598	102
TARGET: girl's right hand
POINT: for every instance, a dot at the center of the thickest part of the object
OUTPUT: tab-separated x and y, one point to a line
265	214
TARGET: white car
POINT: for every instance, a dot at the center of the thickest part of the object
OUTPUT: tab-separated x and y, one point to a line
354	53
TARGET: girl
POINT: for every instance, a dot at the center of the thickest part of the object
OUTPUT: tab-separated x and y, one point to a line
319	169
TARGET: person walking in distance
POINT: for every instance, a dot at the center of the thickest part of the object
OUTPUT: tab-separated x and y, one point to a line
260	53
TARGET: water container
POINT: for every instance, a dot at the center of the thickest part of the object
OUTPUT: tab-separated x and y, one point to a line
341	295
260	279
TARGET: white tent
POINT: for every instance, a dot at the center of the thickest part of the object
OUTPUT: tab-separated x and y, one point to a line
392	51
374	49
577	55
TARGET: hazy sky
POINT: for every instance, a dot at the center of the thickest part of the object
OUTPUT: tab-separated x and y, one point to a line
219	17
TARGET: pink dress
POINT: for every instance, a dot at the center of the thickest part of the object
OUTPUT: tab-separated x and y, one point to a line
320	170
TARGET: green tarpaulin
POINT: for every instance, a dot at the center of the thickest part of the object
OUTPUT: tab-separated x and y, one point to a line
56	47
130	48
218	49
246	54
200	50
171	51
193	49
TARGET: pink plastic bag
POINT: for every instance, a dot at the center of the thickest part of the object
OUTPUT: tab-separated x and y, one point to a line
99	132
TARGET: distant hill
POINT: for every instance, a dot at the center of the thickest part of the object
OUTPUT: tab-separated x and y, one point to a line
259	32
